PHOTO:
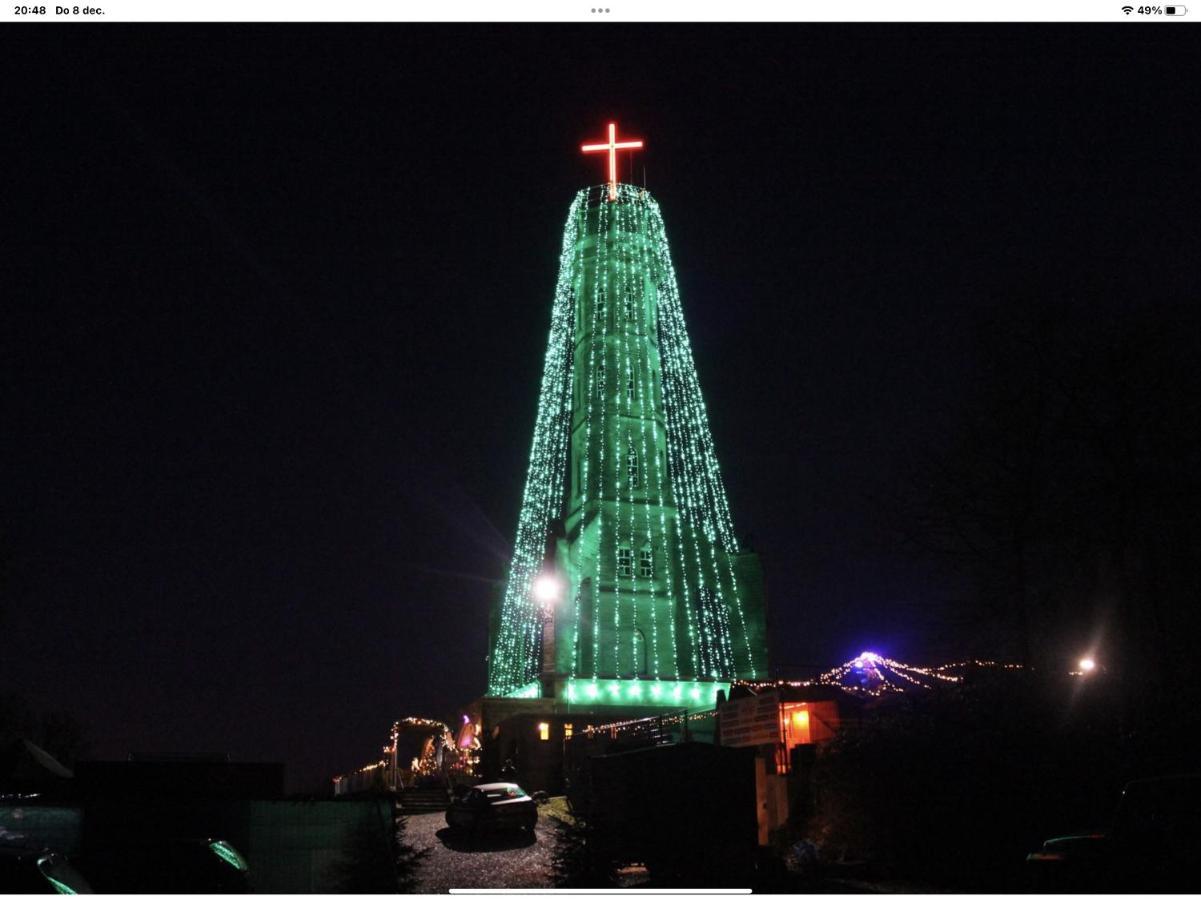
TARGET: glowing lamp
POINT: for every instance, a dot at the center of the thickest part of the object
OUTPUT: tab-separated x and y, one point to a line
546	589
1088	664
800	726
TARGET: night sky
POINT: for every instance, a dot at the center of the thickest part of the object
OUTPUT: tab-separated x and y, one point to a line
276	302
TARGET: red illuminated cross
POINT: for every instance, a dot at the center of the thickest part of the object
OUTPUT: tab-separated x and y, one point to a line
612	147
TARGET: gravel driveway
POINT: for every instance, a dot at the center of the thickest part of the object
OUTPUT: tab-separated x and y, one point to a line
518	860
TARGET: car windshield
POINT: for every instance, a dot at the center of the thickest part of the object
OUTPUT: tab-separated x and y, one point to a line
508	792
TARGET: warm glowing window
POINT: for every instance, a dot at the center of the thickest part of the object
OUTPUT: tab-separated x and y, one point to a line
568	730
544	731
646	563
800	726
797	725
625	561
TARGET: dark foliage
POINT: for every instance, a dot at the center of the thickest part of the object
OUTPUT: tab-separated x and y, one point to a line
1070	494
377	860
582	858
953	788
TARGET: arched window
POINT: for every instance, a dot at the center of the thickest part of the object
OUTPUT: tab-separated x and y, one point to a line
631	302
646	563
625	562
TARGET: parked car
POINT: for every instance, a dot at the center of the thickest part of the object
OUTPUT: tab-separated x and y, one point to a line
1153	844
493	806
39	872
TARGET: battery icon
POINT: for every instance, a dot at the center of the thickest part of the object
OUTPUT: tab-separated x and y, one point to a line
1175	10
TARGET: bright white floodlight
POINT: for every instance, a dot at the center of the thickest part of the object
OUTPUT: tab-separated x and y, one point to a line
546	589
1087	664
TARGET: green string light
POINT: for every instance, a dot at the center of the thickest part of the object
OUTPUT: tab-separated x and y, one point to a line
620	396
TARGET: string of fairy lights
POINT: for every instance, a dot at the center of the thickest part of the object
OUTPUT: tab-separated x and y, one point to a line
679	718
515	652
690	442
647	467
842	677
871	674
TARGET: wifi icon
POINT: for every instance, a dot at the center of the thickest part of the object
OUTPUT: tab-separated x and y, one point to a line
1127	9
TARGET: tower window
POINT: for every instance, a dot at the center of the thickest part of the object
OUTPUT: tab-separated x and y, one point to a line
630	386
625	561
600	303
646	563
600	379
631	309
632	468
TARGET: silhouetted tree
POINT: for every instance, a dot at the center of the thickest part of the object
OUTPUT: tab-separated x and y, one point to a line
377	859
951	789
582	858
1070	495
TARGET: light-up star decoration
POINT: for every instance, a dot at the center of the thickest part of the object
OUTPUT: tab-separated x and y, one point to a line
612	147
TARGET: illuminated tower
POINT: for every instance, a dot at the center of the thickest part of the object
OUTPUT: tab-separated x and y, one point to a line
656	604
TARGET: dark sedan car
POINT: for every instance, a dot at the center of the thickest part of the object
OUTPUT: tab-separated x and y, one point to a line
493	806
1153	844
